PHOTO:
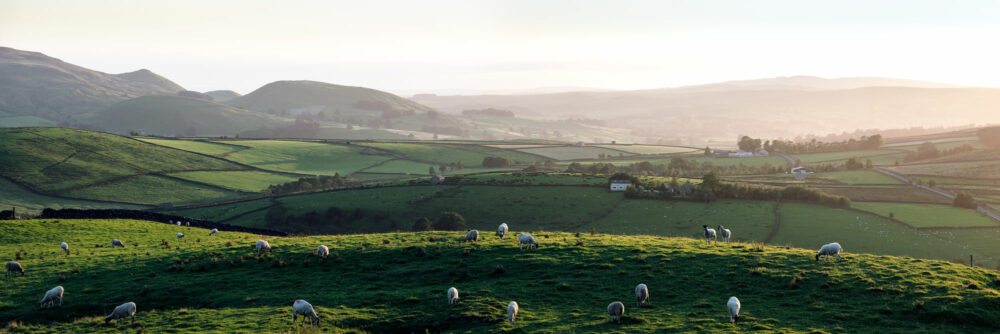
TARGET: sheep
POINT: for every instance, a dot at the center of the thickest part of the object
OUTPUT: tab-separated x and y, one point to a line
116	242
616	310
213	231
187	224
525	239
178	223
734	309
725	233
641	294
65	247
263	246
306	310
829	249
709	233
473	235
51	296
323	251
180	235
502	230
13	268
123	311
452	295
512	312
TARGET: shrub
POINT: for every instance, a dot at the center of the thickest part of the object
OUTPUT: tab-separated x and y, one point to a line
422	224
450	221
964	200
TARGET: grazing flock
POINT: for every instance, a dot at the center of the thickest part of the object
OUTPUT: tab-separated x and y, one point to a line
616	310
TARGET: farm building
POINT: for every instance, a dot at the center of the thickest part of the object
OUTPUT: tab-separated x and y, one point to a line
800	172
686	189
437	179
620	185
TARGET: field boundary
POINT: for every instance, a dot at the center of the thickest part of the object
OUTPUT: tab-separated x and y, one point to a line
31	190
777	222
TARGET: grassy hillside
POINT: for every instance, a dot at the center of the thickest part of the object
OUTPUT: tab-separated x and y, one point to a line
175	116
397	282
309	158
54	160
26	201
297	96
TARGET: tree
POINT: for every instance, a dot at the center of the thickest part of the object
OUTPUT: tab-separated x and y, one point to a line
854	163
964	200
422	224
450	221
989	136
748	144
932	183
927	150
710	181
869	164
275	215
708	151
496	162
443	168
431	170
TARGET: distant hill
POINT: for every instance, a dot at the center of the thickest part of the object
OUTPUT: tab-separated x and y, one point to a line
223	95
33	84
294	97
181	116
810	82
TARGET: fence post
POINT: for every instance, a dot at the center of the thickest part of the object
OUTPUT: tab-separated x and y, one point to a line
970	260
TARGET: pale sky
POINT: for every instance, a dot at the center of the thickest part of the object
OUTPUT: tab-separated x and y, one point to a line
408	46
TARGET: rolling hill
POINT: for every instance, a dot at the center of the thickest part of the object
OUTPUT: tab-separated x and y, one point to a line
33	84
223	95
396	283
179	116
293	97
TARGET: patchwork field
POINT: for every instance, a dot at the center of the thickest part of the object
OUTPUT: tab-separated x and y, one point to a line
564	286
26	201
198	146
750	220
153	190
926	215
974	169
307	158
650	149
248	181
857	177
573	152
838	156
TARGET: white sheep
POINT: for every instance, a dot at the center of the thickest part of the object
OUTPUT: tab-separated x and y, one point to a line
709	233
213	231
734	309
65	247
51	296
502	230
473	235
123	311
118	243
13	268
512	312
641	294
616	310
263	246
306	310
323	251
180	235
178	223
725	233
452	295
828	250
187	224
525	239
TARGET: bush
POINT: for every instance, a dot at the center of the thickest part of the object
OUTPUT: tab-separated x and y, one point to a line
450	221
964	200
422	224
497	162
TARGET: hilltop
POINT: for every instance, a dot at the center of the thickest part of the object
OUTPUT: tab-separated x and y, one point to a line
396	282
294	97
33	84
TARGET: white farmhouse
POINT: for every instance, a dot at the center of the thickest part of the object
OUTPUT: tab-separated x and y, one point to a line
620	185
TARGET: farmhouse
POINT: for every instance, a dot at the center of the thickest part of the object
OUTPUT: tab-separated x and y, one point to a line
620	185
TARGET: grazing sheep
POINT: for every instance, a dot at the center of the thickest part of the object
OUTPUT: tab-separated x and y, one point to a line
525	239
616	310
123	311
116	242
512	312
178	223
180	235
306	310
472	236
65	247
188	224
502	230
323	251
13	268
734	309
641	294
51	296
263	246
213	231
725	233
829	249
709	233
452	296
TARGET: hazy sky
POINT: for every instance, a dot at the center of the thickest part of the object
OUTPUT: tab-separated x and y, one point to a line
406	46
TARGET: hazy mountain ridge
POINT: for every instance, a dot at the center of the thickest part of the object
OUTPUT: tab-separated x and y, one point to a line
179	116
34	84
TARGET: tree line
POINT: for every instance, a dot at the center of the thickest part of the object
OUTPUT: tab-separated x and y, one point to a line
321	182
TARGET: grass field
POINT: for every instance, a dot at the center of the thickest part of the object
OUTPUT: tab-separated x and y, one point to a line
837	156
399	166
440	154
55	159
250	181
152	190
514	155
925	215
14	195
804	225
198	146
858	177
564	286
650	149
751	220
303	157
573	152
974	169
749	161
548	178
222	213
885	194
